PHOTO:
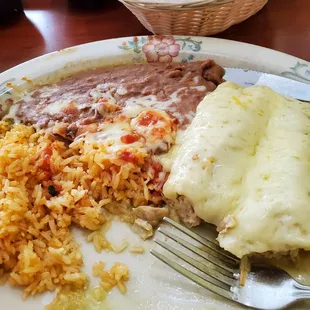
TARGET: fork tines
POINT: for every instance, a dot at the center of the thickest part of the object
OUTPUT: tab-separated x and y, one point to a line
214	268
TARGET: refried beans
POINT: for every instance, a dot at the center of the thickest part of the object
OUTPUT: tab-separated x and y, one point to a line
77	103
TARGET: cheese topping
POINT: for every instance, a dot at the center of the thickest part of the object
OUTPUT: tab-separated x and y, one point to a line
56	107
157	128
245	159
152	131
274	208
47	91
110	135
217	148
105	90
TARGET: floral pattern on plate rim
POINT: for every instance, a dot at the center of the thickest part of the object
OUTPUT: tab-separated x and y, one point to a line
300	72
160	48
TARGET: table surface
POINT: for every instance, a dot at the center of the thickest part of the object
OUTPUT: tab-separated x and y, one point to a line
51	25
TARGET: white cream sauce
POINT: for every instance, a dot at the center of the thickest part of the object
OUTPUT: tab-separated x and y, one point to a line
246	155
166	159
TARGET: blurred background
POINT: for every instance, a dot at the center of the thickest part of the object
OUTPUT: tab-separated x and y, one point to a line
49	25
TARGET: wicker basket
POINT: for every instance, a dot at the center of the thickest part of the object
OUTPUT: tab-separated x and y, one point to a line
196	18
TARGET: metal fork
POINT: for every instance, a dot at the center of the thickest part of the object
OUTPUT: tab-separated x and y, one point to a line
218	271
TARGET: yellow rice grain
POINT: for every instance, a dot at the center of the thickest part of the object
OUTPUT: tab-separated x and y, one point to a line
98	268
136	249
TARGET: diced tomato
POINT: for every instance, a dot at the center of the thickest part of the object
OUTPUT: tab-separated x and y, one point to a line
157	181
129	157
123	118
70	110
109	121
47	153
149	119
157	167
47	174
159	132
127	139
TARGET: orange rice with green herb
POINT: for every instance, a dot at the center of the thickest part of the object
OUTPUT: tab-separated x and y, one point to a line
48	185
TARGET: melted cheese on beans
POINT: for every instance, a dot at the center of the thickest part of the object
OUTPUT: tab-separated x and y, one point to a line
151	131
110	134
56	107
157	128
244	165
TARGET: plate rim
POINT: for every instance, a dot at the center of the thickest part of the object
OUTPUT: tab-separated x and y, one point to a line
80	47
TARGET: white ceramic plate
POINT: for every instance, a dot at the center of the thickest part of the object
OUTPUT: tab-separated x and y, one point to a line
152	285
